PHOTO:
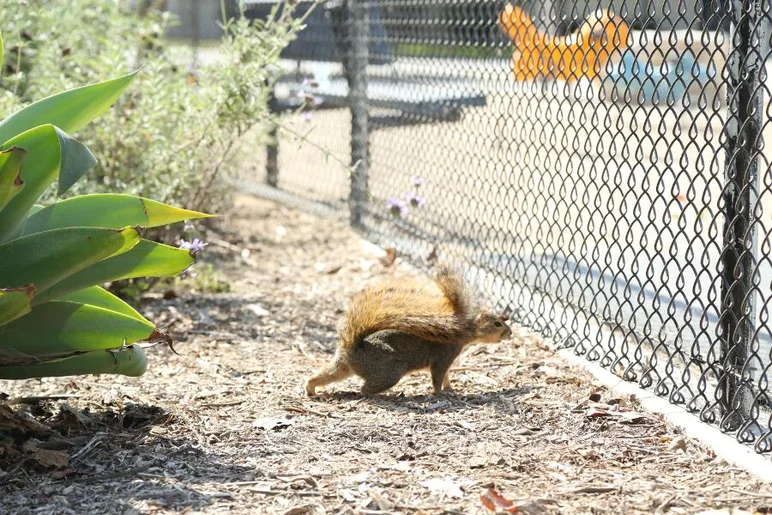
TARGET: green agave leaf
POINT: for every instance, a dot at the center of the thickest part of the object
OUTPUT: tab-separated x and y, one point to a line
107	210
146	259
15	302
45	258
70	110
129	361
58	328
98	296
2	55
11	182
50	153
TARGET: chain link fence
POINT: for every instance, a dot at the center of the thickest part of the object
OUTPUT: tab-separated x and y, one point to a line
601	167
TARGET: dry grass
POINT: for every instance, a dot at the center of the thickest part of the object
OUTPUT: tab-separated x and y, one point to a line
225	427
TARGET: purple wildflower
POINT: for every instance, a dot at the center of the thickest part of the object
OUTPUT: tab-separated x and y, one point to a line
307	116
416	181
318	101
193	246
397	207
415	199
188	272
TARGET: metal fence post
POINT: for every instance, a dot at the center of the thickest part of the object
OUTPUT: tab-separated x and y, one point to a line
356	63
742	145
272	147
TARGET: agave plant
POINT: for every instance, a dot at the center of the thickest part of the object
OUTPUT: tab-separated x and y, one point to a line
55	317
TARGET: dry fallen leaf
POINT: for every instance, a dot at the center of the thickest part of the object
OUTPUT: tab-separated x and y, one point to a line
384	504
444	487
496	503
273	423
678	443
60	474
257	309
478	461
348	494
389	258
48	458
31	445
464	424
301	510
597	412
632	417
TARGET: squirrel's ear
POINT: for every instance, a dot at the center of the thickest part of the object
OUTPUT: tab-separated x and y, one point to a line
503	318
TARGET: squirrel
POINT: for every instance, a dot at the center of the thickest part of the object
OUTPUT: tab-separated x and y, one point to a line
401	326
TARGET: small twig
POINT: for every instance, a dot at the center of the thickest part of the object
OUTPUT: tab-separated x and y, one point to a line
86	447
753	494
304	139
468	369
124	473
222	404
509	361
268	491
291	479
242	483
665	505
595	490
295	409
40	398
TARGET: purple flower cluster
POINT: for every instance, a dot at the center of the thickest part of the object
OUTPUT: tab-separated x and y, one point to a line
310	100
193	246
415	199
398	207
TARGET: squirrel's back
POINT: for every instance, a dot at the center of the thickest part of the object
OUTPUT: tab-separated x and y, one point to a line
444	313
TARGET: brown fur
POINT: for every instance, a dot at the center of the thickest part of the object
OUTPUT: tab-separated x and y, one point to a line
444	313
396	328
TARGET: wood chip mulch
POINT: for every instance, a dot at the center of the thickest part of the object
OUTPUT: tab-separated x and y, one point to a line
226	427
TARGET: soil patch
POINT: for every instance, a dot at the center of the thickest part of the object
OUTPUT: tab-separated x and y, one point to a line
225	426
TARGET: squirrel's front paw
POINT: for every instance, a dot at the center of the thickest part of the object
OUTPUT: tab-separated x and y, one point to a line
445	391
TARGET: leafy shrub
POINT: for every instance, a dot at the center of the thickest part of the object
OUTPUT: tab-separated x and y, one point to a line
173	135
55	318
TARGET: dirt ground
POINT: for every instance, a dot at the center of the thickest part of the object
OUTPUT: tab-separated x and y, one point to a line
225	426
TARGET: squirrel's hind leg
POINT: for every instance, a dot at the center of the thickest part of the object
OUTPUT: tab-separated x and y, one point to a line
335	371
381	382
446	382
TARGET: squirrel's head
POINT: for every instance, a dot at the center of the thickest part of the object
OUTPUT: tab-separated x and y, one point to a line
491	328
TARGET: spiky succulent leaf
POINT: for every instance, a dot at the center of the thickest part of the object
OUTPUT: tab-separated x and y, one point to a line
107	210
46	258
128	361
147	259
50	154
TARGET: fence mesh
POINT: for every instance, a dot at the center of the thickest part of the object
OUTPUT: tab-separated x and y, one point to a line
601	167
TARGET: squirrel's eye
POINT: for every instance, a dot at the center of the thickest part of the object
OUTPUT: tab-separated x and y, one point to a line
497	323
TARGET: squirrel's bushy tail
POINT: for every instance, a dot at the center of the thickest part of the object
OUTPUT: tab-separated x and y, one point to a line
452	284
444	316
